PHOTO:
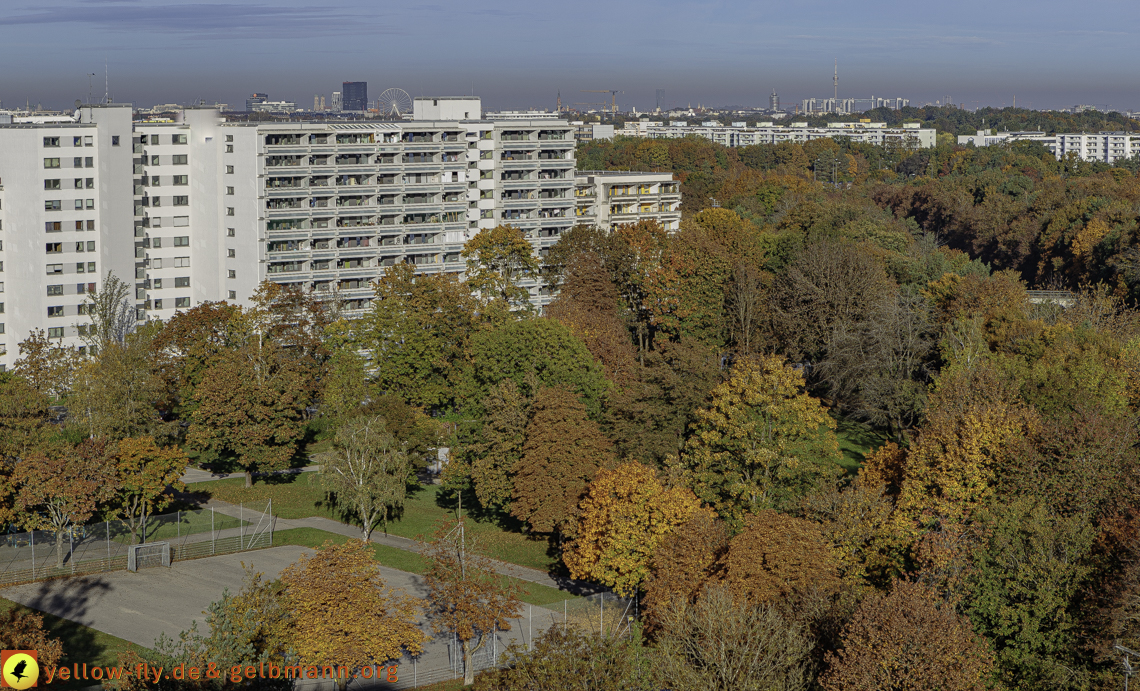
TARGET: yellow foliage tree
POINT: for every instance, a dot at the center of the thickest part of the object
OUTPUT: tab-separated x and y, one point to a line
625	515
340	615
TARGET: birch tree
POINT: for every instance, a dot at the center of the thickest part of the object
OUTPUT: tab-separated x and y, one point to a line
367	471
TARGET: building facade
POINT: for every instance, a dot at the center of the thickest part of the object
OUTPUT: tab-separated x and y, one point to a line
1106	147
354	96
607	199
910	135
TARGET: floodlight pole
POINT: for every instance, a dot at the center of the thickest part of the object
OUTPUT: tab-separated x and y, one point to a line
1129	670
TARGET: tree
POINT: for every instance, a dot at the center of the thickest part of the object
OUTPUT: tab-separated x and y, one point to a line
144	471
23	629
684	562
497	259
50	369
856	522
367	471
761	443
624	516
23	418
567	658
563	452
190	344
339	614
489	460
111	312
59	489
909	640
250	627
466	597
116	390
345	387
723	642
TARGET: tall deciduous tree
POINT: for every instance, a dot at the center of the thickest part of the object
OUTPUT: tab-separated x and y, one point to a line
112	315
23	430
909	640
564	657
684	562
563	452
489	459
49	368
466	598
250	627
116	390
367	470
340	613
61	488
144	471
761	443
23	629
497	259
624	516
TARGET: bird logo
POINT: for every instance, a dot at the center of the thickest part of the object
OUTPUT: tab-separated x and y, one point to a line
19	669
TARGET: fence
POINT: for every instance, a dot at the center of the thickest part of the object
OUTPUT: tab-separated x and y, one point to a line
40	554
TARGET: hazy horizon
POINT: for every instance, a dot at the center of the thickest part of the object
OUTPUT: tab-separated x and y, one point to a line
519	55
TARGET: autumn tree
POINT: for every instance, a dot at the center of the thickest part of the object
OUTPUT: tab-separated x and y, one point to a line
489	458
684	561
466	597
23	629
497	259
251	626
856	521
344	388
111	313
23	418
624	516
144	472
908	640
340	613
563	452
724	642
367	471
49	368
188	345
61	487
115	391
564	657
761	443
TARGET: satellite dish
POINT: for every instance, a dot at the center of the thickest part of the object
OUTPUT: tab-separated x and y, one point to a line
78	103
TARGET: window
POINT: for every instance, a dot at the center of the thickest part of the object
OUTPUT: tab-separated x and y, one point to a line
114	140
54	247
229	190
181	221
51	163
154	159
90	183
55	290
78	183
1	312
231	274
157	243
55	311
179	159
229	137
182	241
52	205
229	232
158	304
154	139
87	141
182	201
90	267
155	181
91	225
229	148
181	180
229	211
81	288
89	162
51	141
156	263
79	246
54	185
54	226
181	262
90	245
78	268
55	332
158	284
229	170
79	225
231	254
177	139
90	203
181	302
77	141
78	204
182	282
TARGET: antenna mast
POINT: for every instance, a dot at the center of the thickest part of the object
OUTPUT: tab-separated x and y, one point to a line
106	82
835	82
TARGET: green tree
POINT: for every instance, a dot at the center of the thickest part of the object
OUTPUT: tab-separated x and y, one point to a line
488	460
762	442
50	369
564	657
497	259
144	472
116	390
367	471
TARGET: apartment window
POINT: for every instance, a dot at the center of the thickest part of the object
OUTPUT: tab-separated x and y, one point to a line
158	304
54	269
157	243
1	312
229	148
158	284
182	201
181	302
154	139
229	170
90	204
181	180
177	139
54	226
231	274
90	183
87	141
229	232
154	159
229	190
55	311
51	163
91	225
229	211
229	137
233	295
79	246
78	183
81	288
54	247
78	204
77	141
182	241
51	141
231	254
55	290
181	262
90	267
155	181
55	332
90	245
182	282
88	162
54	184
78	268
179	159
156	263
53	205
114	140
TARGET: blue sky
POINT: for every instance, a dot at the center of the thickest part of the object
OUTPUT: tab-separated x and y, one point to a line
518	54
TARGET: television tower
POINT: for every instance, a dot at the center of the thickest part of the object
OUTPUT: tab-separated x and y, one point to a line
835	82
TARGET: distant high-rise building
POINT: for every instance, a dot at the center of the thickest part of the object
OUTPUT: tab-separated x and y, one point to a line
355	96
322	102
337	102
773	101
316	103
253	100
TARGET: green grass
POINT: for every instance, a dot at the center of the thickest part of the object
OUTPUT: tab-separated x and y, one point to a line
856	439
403	560
302	496
81	644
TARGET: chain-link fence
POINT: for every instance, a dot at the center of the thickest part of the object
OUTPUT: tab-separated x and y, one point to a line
43	554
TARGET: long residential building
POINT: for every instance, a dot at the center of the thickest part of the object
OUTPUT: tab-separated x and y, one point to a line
204	209
1107	147
910	135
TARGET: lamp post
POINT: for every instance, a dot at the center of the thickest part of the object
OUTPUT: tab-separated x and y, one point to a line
1129	670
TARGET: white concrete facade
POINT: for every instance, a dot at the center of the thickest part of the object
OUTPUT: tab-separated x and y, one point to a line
910	136
1107	147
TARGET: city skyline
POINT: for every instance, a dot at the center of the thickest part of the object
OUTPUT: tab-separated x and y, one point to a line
514	57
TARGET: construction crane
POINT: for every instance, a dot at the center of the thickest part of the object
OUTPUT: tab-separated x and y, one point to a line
613	95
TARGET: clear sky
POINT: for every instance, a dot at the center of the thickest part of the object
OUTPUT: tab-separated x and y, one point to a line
519	53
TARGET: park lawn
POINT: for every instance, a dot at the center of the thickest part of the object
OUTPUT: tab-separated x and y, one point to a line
302	496
403	560
856	439
81	644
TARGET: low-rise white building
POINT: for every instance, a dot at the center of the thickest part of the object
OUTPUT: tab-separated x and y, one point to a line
1107	147
910	135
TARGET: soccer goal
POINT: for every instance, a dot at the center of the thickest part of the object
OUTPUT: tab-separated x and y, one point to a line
148	555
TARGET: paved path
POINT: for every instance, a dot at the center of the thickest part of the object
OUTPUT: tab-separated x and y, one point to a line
197	475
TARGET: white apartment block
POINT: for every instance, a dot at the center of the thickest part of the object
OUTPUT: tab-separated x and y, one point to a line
202	209
910	135
1107	147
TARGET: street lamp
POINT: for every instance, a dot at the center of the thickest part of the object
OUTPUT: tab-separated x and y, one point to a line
1129	670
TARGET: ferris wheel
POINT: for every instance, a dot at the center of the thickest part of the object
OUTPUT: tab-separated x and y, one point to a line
395	103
